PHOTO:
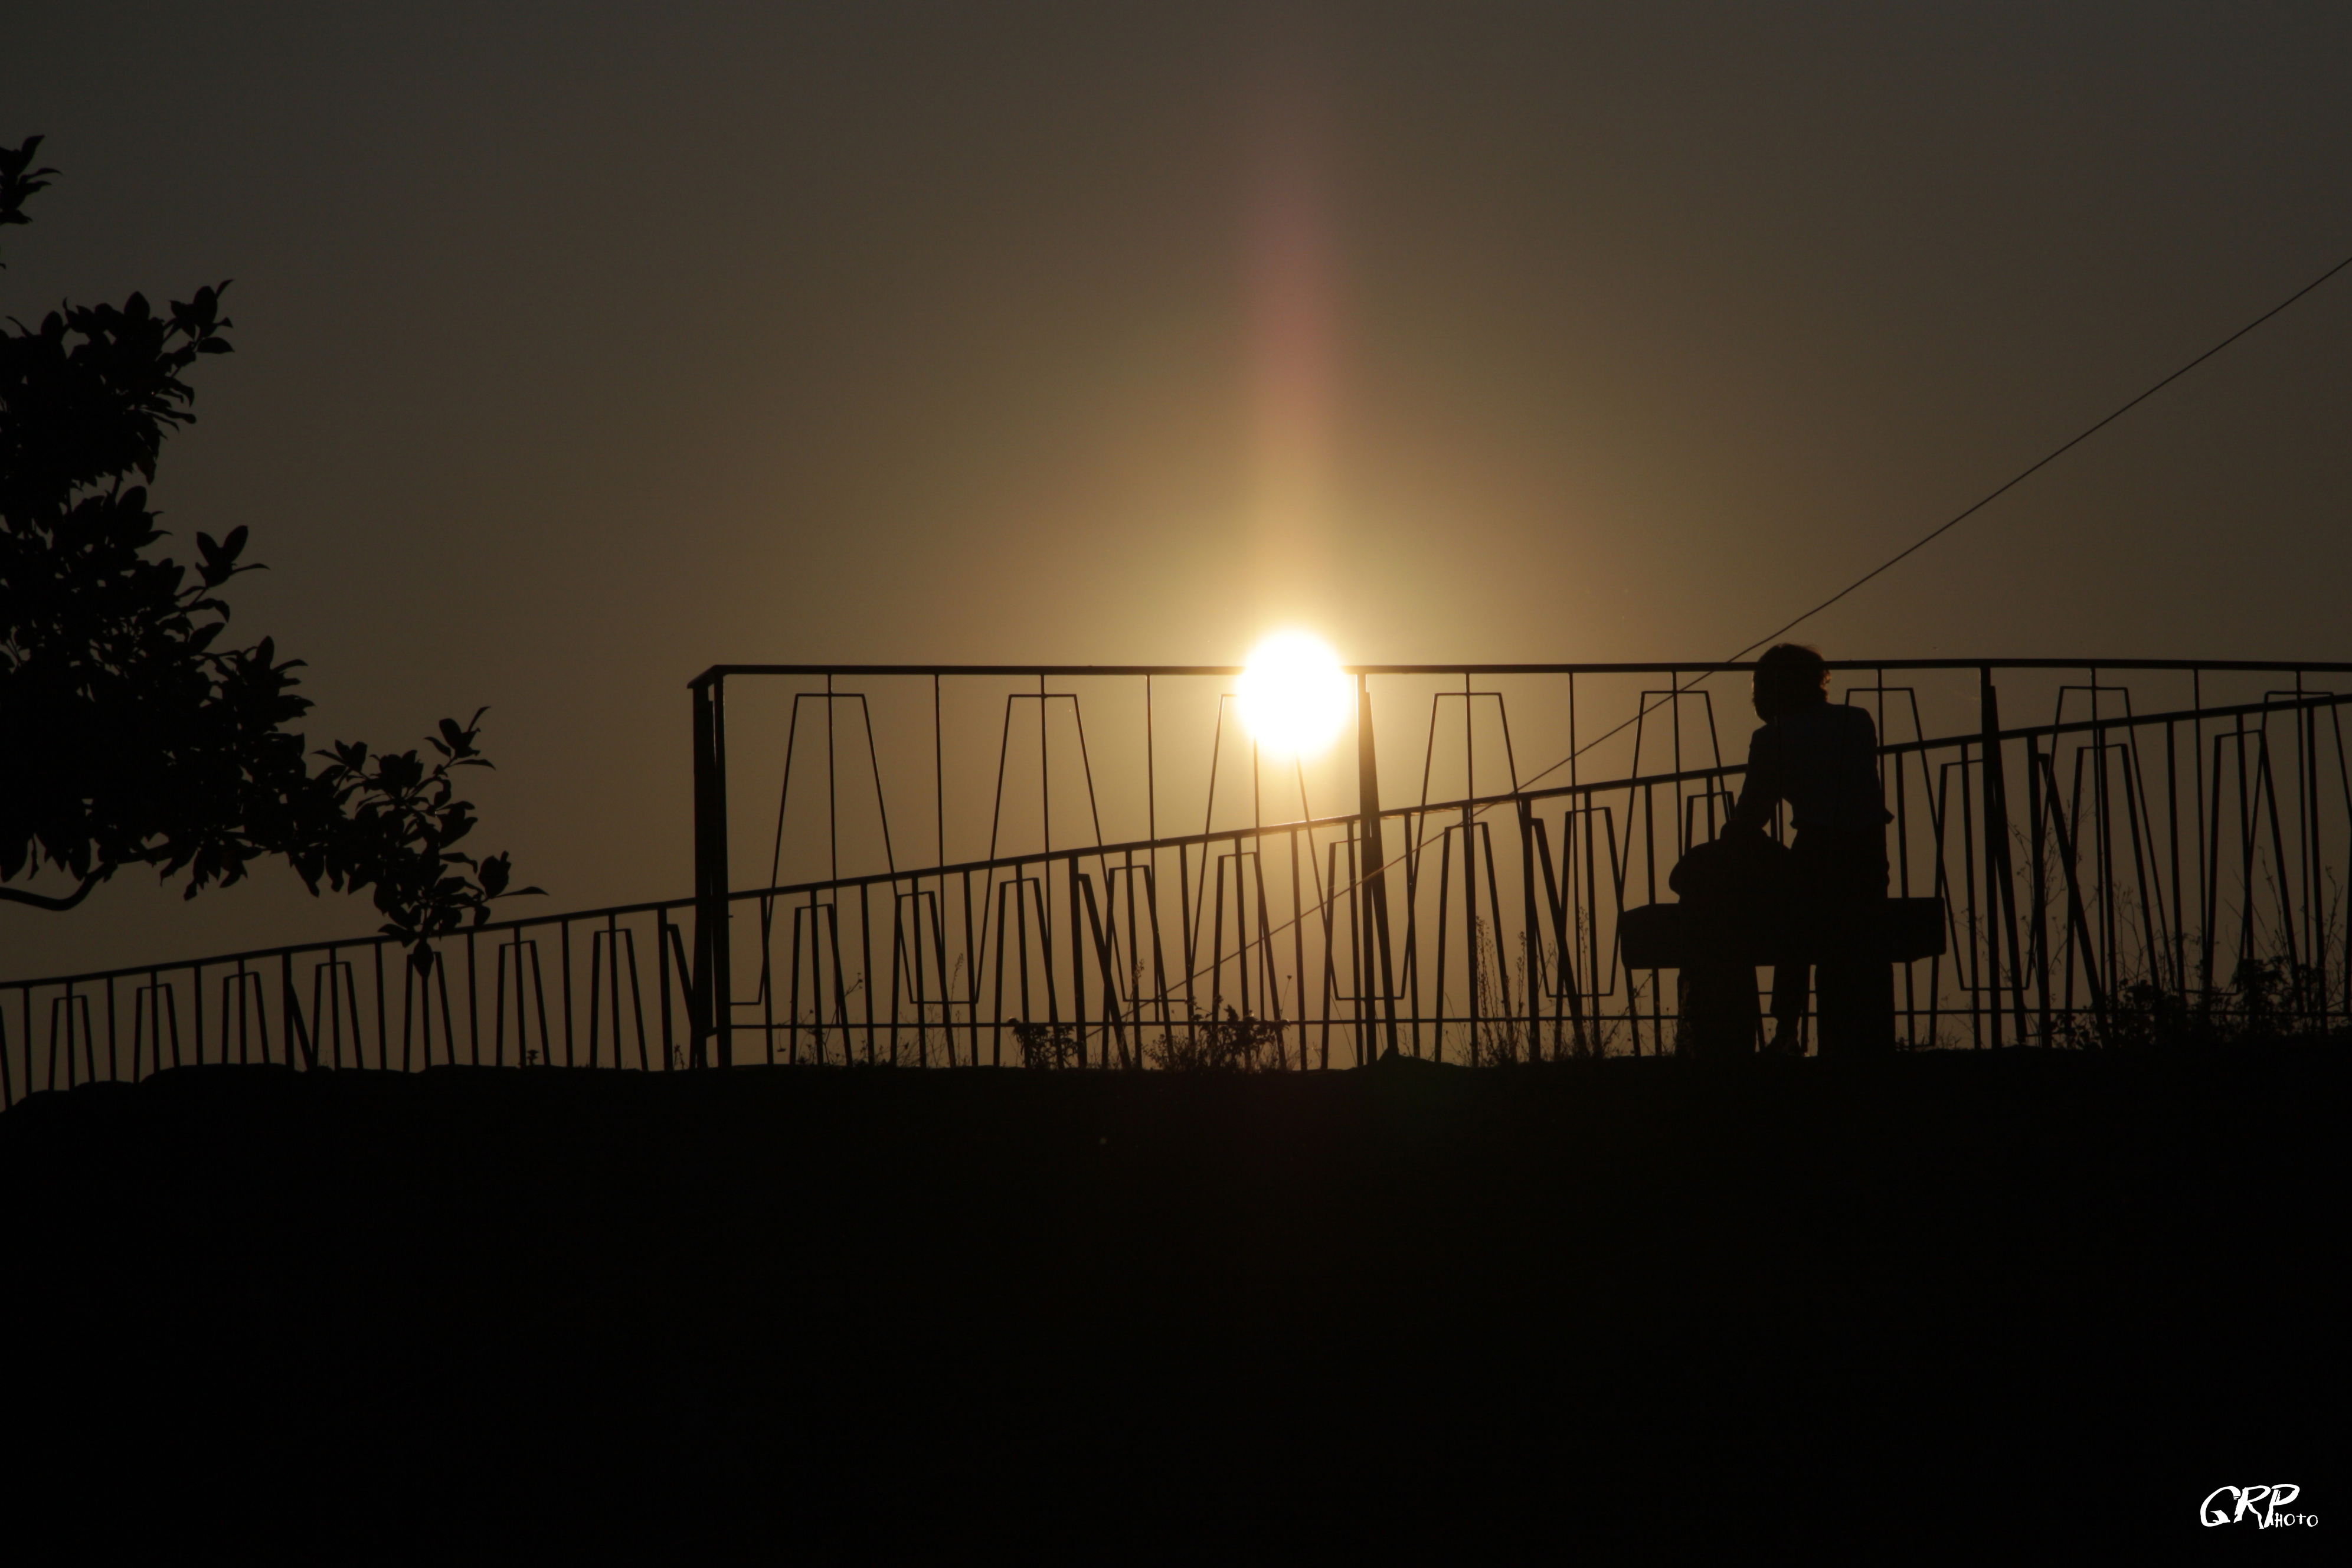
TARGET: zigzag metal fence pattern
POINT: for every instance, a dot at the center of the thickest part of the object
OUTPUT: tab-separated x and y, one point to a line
2162	829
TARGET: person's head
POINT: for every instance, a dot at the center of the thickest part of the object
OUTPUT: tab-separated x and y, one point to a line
1789	677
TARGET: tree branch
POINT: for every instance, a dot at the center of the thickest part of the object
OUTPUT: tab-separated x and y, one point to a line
43	901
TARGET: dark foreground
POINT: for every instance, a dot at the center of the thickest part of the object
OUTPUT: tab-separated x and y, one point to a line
1564	1310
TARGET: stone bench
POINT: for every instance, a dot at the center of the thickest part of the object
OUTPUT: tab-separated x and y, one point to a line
1652	935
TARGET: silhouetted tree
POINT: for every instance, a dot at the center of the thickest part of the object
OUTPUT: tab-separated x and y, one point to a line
127	735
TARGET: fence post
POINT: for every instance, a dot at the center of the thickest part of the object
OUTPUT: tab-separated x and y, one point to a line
711	1007
2001	885
297	1033
1374	880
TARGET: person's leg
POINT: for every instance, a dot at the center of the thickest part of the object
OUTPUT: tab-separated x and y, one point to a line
1718	1010
1854	1002
1790	980
1814	888
1857	1008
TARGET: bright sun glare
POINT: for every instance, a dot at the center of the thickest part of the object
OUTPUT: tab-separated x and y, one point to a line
1295	697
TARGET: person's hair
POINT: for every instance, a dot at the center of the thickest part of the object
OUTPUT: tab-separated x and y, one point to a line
1789	677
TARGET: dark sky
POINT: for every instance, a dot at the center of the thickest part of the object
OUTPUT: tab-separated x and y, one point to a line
580	347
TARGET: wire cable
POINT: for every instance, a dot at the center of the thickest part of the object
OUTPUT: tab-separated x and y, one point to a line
1932	535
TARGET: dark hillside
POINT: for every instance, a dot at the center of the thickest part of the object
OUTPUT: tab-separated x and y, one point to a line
364	1317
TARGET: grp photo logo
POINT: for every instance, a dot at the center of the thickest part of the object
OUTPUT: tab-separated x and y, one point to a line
2261	1504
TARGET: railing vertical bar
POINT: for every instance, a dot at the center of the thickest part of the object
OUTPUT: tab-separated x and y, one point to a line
1078	946
473	1002
1978	934
564	986
2172	833
599	950
865	964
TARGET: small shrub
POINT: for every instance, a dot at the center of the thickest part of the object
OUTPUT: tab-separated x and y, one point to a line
2267	1001
1499	1038
1234	1043
1048	1046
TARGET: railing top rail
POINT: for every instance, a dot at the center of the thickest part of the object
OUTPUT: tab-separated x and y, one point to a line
1554	792
300	950
1687	666
1727	770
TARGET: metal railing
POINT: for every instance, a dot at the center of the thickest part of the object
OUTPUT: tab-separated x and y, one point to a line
2175	829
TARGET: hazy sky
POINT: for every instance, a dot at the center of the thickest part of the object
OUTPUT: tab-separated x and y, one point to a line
581	347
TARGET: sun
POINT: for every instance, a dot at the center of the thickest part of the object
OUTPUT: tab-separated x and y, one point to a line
1295	697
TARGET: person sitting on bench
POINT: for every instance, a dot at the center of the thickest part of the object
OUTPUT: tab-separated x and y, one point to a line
1822	760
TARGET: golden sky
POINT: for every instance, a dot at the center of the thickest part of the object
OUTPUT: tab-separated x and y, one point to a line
581	347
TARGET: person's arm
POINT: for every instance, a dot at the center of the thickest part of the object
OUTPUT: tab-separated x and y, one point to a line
1759	793
1861	736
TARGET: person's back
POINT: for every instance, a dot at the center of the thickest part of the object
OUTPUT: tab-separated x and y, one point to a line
1822	758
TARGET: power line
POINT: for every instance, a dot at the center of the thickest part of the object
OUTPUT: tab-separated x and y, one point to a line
1932	535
